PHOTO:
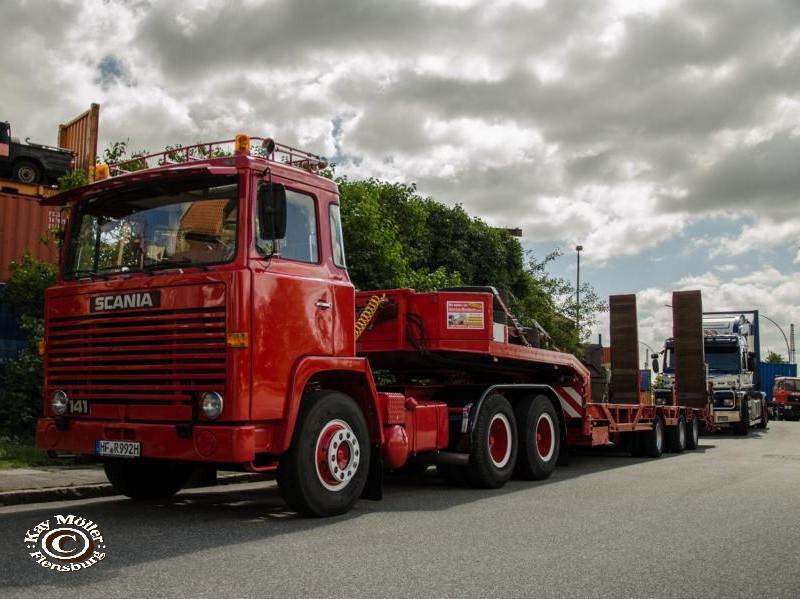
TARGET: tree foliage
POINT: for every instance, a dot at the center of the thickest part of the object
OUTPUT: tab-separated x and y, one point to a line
775	358
21	387
397	238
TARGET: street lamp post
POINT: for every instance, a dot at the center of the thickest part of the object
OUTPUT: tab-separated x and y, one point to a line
788	349
578	249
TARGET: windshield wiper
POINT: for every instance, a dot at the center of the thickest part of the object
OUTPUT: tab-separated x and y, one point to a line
81	274
165	264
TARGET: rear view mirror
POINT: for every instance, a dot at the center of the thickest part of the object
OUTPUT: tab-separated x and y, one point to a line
271	211
655	363
751	361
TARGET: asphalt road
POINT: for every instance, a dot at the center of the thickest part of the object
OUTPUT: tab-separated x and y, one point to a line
719	522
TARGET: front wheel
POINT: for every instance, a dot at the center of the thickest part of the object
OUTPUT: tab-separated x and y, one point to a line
147	479
326	467
539	438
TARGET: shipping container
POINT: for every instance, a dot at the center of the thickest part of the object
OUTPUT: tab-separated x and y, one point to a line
25	226
767	372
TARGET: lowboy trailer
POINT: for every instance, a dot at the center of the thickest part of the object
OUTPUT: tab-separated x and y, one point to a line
203	317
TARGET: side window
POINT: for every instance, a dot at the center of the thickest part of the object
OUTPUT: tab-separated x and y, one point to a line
300	242
337	239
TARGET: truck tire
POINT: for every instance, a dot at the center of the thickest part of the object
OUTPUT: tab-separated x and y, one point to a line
494	444
693	433
742	427
762	424
676	436
326	467
539	438
26	171
147	479
653	440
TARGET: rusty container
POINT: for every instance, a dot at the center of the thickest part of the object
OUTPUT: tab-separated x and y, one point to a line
25	225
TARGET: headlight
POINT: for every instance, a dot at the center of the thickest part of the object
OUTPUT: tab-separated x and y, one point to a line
211	404
58	402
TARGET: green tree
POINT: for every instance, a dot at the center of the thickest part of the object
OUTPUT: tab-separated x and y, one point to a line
775	358
21	387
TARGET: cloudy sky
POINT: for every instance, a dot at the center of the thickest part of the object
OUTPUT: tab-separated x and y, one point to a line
664	136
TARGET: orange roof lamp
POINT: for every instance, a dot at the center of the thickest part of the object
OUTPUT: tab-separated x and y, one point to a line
241	144
101	171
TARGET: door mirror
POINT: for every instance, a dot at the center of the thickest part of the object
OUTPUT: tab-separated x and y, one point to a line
271	211
751	361
655	363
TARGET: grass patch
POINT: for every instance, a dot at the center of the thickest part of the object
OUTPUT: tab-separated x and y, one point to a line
17	454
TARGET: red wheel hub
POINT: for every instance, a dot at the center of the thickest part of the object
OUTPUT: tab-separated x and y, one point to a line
545	437
337	455
500	440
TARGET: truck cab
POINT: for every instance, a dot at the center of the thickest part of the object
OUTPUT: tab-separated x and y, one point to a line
786	398
737	403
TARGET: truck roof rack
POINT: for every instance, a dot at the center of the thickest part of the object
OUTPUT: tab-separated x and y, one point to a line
262	147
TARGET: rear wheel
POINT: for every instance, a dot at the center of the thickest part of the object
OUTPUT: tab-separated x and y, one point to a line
494	444
326	467
653	440
676	436
26	171
539	438
693	433
147	479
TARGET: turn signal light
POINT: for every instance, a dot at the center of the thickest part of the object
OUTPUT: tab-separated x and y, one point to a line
101	172
41	347
241	144
237	340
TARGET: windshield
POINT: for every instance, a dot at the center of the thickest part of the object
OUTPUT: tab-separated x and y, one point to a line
723	359
170	224
789	384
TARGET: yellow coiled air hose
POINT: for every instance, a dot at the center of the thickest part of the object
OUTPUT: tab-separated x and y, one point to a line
368	313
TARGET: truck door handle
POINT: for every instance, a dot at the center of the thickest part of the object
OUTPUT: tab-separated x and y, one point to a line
323	305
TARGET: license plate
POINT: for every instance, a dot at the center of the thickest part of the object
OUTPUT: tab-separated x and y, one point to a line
722	418
118	449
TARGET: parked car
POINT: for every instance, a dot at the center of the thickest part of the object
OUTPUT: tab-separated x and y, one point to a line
29	162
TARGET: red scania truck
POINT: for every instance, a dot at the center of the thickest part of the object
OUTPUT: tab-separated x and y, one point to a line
203	315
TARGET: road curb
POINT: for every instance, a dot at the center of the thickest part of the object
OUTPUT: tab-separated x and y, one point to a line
23	496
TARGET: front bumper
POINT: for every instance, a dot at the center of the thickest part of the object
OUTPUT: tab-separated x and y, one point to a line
726	417
791	410
203	443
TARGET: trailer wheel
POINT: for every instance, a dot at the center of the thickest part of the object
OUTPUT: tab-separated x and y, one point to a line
494	444
326	467
693	433
539	438
653	440
26	171
147	479
676	436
